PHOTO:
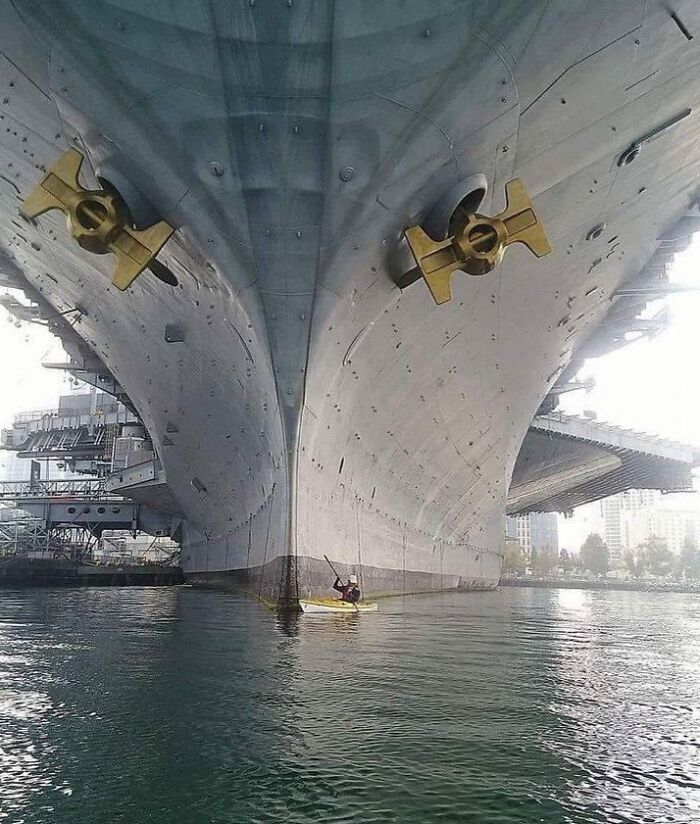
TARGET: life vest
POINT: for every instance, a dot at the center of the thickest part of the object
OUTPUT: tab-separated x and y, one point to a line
347	593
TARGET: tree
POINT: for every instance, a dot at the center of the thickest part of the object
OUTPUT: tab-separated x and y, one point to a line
634	562
658	558
514	558
689	560
566	562
594	555
544	561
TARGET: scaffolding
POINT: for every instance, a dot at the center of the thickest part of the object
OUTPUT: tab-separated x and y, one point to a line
27	537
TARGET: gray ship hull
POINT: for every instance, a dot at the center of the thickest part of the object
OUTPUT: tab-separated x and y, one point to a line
305	405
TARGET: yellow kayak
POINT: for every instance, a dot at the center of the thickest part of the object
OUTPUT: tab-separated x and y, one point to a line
321	605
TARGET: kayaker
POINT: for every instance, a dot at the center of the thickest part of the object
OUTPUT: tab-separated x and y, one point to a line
348	592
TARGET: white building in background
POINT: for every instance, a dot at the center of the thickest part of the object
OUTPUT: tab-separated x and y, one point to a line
611	513
674	519
617	513
631	518
537	530
635	499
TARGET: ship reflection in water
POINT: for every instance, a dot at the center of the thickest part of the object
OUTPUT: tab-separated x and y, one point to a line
189	706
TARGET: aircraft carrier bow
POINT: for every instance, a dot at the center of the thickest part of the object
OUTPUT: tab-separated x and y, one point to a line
336	255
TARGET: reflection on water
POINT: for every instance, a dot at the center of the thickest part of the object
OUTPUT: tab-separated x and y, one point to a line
156	705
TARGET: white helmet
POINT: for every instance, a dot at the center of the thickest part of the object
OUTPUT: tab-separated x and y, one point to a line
352	579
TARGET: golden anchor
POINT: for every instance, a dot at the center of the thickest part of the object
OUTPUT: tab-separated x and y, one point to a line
98	219
479	243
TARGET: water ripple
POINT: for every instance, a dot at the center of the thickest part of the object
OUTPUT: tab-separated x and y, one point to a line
184	706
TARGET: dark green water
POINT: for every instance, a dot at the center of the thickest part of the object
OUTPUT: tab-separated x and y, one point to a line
145	705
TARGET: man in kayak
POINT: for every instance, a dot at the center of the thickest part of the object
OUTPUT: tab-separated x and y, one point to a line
348	592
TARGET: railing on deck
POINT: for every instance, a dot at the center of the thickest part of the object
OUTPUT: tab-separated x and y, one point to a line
92	489
70	412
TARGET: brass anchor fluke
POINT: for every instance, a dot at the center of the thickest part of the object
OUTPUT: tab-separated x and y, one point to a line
98	219
479	243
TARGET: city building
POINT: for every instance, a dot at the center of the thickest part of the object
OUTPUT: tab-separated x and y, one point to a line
537	531
632	518
617	513
611	512
675	520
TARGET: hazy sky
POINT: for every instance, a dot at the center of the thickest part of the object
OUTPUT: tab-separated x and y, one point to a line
24	383
654	385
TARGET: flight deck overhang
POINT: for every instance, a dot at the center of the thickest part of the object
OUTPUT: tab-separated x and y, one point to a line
567	461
